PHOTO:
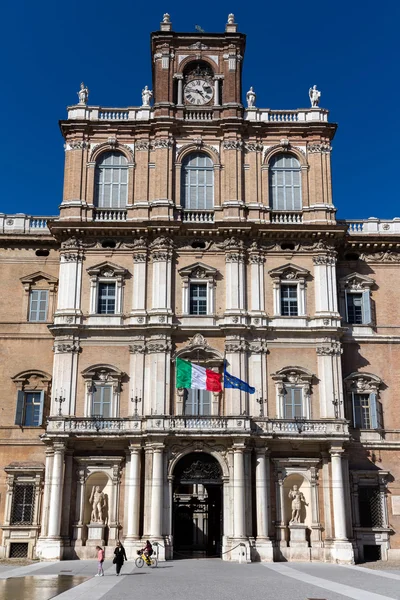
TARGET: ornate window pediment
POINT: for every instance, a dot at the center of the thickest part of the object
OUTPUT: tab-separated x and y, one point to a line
106	288
363	383
199	349
39	298
103	388
198	270
363	394
33	387
108	270
356	282
198	284
293	391
31	280
289	272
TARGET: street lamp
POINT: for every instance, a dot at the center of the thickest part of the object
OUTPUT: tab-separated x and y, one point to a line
136	401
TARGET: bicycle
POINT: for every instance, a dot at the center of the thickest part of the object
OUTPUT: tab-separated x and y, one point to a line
150	561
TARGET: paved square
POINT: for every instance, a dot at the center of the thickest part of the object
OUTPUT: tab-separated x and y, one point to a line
208	579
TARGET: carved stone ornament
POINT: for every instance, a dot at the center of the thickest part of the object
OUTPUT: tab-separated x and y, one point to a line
159	346
294	376
76	145
142	145
335	349
162	243
234	257
354	282
163	143
138	348
232	243
363	382
253	147
198	340
69	257
256	259
232	144
387	256
200	471
63	348
160	256
323	148
198	46
258	346
139	258
236	345
324	259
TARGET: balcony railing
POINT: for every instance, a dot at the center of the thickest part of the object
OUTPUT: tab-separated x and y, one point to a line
372	226
287	116
20	223
198	216
302	427
92	425
109	214
286	217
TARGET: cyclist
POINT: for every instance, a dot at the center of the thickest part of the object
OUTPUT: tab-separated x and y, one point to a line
147	551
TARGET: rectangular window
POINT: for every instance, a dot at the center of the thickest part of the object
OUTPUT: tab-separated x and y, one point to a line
289	303
367	411
23	504
370	506
101	401
198	299
293	403
197	403
29	411
106	299
354	309
38	302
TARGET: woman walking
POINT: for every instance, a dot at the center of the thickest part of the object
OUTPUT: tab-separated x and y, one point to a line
100	561
119	557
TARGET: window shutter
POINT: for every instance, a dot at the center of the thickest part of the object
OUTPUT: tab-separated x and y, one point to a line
373	411
354	409
346	306
366	307
19	413
41	408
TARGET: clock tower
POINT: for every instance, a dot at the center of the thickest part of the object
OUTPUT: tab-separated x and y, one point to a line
197	75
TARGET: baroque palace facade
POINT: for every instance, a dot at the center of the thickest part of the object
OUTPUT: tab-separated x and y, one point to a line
194	227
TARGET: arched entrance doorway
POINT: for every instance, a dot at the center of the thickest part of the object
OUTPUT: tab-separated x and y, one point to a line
197	506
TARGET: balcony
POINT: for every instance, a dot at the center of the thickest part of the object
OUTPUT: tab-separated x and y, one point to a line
92	426
286	217
198	216
302	428
109	214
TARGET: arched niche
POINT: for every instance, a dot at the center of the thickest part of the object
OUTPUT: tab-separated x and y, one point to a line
101	479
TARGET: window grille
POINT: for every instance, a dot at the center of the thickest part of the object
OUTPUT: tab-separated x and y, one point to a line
111	181
289	302
38	302
19	550
197	403
293	403
23	504
198	299
101	401
106	299
285	183
197	189
370	507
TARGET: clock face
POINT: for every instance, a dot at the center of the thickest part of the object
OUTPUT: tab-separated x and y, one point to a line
198	91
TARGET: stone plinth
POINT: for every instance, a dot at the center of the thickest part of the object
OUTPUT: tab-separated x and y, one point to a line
297	537
95	534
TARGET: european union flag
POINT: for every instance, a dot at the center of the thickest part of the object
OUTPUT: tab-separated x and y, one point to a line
234	382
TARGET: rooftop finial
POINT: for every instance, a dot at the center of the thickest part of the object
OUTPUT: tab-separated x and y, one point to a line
231	26
314	95
166	24
83	94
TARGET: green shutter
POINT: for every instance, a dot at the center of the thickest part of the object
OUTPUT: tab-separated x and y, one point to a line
19	413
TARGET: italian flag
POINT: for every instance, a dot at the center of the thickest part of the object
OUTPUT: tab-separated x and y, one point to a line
191	376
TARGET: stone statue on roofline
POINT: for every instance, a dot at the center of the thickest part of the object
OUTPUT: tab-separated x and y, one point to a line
231	19
314	95
146	96
83	94
166	18
251	98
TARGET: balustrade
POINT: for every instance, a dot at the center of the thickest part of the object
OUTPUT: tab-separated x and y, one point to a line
286	217
198	216
109	214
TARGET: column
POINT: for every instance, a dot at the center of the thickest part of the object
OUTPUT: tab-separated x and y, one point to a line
339	510
56	491
114	503
262	493
326	497
133	491
238	492
46	492
179	77
280	510
315	522
157	487
65	519
138	311
80	504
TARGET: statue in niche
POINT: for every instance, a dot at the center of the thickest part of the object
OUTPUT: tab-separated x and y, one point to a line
146	96
297	499
83	94
98	501
314	95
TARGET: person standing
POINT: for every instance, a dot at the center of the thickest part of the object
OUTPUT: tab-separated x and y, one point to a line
100	561
119	557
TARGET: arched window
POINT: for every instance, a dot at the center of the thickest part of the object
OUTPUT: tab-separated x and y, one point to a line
197	190
285	183
111	179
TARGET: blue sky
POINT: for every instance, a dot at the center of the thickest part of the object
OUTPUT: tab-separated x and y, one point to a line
349	49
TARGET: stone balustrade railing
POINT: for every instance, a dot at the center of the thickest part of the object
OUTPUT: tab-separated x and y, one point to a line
109	214
198	216
286	116
207	424
198	115
98	113
20	223
302	427
372	226
286	217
